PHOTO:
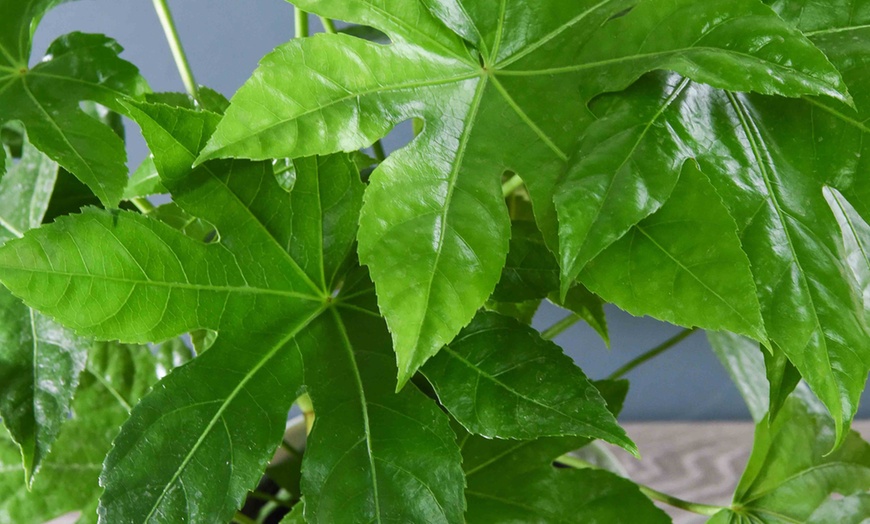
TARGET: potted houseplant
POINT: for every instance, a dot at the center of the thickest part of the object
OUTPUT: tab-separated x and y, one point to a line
698	162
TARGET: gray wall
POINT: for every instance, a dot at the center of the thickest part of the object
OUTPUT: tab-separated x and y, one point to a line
224	39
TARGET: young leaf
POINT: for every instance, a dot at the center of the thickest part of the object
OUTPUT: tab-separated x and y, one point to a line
772	181
434	230
510	481
792	471
40	361
499	379
666	267
46	98
117	376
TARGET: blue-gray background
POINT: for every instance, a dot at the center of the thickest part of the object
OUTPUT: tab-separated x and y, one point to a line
224	39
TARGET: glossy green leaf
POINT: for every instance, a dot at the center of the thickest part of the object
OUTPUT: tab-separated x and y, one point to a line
499	379
792	471
77	67
530	271
666	267
434	229
40	361
782	376
848	510
522	311
269	278
856	242
511	481
144	181
772	181
373	455
116	377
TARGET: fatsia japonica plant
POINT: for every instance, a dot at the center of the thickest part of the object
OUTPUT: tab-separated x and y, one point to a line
700	162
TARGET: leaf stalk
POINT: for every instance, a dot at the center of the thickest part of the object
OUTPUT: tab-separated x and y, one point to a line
652	353
559	327
169	29
693	507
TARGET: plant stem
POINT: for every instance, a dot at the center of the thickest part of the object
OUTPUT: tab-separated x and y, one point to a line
241	518
559	327
378	149
328	25
300	19
694	507
143	205
514	183
652	353
181	62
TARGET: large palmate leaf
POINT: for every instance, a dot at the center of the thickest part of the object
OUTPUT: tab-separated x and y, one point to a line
266	286
40	360
499	379
515	481
773	179
78	67
117	376
434	229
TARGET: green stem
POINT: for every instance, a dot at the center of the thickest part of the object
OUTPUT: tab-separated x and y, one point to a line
694	507
171	32
514	183
265	497
378	149
559	327
241	518
652	353
300	19
143	205
328	25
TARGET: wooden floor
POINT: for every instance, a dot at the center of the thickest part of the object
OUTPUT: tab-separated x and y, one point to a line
700	462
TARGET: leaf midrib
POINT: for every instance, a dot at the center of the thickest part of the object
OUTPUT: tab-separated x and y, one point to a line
470	119
177	285
751	134
482	373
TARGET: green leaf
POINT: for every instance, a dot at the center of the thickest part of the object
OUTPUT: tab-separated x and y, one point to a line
586	305
530	271
772	179
296	515
782	376
499	379
144	181
40	361
792	471
78	67
522	311
401	444
116	377
510	481
268	279
661	269
434	230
